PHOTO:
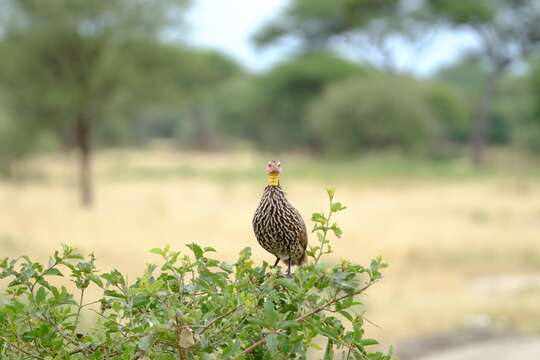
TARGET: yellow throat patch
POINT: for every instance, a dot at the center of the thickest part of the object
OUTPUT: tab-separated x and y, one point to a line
273	179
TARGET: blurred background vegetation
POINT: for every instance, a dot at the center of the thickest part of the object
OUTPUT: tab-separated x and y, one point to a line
83	79
88	75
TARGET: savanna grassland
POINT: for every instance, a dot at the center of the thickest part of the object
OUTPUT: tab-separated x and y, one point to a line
463	246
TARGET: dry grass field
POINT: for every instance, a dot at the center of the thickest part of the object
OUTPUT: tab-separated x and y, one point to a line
463	249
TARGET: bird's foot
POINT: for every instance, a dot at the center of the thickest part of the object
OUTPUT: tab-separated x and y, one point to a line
289	268
273	271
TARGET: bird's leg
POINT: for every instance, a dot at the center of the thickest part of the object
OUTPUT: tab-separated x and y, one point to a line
289	267
273	266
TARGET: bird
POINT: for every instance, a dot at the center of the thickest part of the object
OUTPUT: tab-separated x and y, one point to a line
278	226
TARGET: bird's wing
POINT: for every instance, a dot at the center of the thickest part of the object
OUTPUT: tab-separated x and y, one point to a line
303	232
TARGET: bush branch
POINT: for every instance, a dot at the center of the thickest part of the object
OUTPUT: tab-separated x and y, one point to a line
218	319
309	314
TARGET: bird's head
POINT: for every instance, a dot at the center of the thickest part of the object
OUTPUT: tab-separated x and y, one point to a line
274	169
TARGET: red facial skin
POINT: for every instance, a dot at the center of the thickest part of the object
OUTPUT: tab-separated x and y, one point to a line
273	167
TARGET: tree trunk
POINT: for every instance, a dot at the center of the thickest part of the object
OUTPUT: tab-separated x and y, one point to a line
82	142
479	137
202	133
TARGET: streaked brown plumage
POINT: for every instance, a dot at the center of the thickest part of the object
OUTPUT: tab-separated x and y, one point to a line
278	226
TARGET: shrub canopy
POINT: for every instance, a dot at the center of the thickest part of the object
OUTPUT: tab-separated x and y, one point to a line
189	307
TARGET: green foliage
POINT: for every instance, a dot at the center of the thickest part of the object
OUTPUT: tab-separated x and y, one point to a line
270	109
189	307
508	31
18	140
513	112
535	85
366	27
527	134
451	109
169	89
467	75
373	113
465	12
317	20
63	60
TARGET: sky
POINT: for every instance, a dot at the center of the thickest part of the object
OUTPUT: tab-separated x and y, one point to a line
228	25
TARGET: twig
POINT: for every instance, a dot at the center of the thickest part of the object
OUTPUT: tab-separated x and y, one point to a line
91	303
325	232
371	322
31	328
217	319
252	347
78	311
182	353
40	276
311	313
139	354
21	350
121	326
81	349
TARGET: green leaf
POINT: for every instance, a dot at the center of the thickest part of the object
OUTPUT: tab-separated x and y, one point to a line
53	272
209	249
145	342
288	284
197	250
329	351
231	350
271	344
346	315
270	313
113	293
368	342
337	206
95	279
41	295
140	300
337	230
319	218
157	251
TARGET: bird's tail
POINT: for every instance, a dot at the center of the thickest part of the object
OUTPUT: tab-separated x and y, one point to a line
299	261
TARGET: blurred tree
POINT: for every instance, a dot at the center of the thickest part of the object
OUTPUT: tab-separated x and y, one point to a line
270	109
237	105
376	112
451	109
204	70
467	75
368	28
521	102
170	99
535	84
65	62
508	31
15	141
512	113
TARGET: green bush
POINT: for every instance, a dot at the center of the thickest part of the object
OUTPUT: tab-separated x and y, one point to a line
373	113
189	307
450	109
528	133
270	109
20	140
